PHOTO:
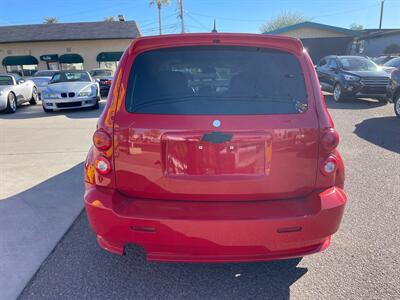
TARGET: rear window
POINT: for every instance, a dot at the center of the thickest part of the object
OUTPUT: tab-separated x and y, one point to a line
216	80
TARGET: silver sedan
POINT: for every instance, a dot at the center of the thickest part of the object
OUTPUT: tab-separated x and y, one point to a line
70	89
15	90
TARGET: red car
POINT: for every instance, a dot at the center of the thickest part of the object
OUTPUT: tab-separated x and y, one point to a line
215	148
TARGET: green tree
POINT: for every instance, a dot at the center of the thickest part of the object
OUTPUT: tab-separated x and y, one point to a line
159	4
50	20
392	49
356	26
283	20
109	19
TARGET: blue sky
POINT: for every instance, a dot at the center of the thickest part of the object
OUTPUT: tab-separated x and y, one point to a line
231	15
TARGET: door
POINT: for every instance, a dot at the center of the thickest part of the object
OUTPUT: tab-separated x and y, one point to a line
332	70
20	88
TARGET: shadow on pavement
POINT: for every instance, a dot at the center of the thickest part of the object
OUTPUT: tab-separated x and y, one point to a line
31	225
383	132
352	103
78	268
27	111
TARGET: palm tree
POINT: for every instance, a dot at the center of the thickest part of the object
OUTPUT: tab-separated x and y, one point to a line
50	20
159	4
109	19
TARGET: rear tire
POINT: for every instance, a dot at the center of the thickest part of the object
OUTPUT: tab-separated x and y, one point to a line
397	105
338	93
34	97
11	104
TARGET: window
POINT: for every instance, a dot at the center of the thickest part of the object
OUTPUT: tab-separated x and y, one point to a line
217	80
394	62
332	64
6	80
322	62
357	64
70	77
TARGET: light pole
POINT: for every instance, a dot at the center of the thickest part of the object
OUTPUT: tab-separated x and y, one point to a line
180	4
380	19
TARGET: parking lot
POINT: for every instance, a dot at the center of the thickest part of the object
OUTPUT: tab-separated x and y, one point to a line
41	156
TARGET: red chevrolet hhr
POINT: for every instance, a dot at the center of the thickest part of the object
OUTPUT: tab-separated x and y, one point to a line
215	148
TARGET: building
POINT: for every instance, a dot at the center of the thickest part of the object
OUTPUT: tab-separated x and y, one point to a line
85	45
320	39
377	42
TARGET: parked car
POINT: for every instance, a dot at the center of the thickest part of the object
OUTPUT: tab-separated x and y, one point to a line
70	89
381	60
392	65
104	77
393	90
15	90
352	77
246	169
41	79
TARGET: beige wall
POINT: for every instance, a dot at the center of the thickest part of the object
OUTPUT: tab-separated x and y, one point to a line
87	49
302	33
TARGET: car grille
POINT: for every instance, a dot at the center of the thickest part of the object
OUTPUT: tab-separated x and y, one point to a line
69	104
70	95
375	81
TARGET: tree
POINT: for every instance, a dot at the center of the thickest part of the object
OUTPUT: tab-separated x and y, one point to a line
109	19
356	26
159	4
50	20
392	49
283	20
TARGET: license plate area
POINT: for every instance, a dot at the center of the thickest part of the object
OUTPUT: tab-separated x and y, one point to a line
189	154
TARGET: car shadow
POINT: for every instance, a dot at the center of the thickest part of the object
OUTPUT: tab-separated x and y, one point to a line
99	274
382	131
26	111
32	223
352	103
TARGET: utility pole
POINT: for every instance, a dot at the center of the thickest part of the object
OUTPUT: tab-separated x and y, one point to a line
380	19
180	4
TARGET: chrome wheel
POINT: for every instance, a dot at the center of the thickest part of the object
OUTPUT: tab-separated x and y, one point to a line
11	103
337	93
397	106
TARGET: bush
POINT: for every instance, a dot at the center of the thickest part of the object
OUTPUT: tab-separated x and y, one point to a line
392	49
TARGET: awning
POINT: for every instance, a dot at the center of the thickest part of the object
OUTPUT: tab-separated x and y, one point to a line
71	58
109	56
19	60
49	57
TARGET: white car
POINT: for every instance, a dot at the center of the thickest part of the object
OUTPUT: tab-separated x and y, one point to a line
70	89
42	78
15	90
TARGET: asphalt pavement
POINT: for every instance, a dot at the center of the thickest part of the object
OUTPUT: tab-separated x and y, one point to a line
361	263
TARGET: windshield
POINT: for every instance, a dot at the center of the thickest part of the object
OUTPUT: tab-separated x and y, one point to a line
394	62
216	80
44	73
70	77
6	80
106	73
357	64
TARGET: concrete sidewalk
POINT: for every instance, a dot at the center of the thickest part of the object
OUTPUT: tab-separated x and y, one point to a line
31	225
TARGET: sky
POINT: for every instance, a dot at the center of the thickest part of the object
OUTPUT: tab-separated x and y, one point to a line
231	15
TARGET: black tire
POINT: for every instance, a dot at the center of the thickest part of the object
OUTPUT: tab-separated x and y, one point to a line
338	93
397	105
11	104
34	98
47	110
96	106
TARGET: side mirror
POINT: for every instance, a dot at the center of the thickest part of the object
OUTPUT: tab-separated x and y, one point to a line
21	81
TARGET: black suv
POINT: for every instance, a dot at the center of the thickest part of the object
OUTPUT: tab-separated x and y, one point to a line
352	77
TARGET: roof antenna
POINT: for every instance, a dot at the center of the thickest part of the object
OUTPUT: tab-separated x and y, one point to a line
215	27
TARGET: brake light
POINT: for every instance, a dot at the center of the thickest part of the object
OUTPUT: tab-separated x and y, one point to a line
329	139
102	140
103	165
329	166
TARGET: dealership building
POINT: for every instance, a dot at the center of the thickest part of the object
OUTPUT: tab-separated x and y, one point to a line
86	45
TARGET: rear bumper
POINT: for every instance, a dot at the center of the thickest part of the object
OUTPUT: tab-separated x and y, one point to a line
183	231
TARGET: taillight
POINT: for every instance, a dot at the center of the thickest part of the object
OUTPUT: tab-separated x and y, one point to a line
329	166
102	140
103	165
329	139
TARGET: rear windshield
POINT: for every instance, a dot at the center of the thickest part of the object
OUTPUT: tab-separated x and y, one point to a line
216	80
